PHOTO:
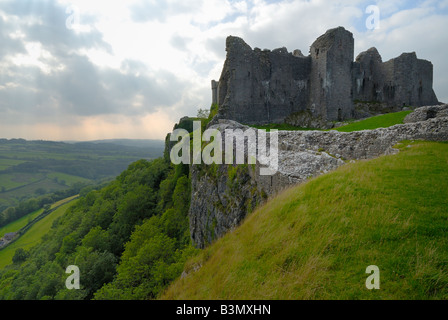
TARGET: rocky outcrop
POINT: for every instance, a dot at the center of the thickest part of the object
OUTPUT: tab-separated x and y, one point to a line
426	113
222	195
263	86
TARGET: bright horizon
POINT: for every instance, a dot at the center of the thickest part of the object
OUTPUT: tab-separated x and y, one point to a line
93	70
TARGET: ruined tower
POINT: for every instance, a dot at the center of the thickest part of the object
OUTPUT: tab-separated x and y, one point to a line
263	86
331	76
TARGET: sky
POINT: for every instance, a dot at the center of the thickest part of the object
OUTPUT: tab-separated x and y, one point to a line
90	69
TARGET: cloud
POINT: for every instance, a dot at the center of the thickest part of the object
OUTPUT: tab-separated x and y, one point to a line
81	89
7	42
145	62
149	10
418	29
46	22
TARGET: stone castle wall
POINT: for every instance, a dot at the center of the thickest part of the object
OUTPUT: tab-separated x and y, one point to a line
331	76
263	86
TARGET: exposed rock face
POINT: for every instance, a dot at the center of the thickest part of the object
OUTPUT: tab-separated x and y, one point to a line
426	113
220	201
222	195
259	87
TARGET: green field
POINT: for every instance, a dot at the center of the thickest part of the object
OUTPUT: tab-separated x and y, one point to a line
37	186
10	181
382	121
20	223
32	236
29	169
7	163
63	201
315	240
66	179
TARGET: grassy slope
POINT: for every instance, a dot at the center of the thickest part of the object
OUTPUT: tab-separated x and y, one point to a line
32	236
315	241
39	172
382	121
20	223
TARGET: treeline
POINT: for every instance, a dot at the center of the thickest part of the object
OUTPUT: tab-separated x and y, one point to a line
144	149
130	240
89	169
26	207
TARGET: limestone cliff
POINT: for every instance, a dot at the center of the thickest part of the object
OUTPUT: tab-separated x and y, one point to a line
222	195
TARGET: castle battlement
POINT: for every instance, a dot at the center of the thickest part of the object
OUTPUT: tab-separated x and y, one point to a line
263	86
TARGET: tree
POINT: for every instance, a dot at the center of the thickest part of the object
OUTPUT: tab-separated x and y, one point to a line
19	256
203	113
40	191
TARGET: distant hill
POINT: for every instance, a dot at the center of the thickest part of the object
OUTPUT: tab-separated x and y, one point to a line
34	168
139	143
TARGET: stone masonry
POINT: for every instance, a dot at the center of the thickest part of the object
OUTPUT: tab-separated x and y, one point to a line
263	86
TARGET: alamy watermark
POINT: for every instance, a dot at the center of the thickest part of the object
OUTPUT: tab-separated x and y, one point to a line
73	21
240	147
373	281
72	281
373	21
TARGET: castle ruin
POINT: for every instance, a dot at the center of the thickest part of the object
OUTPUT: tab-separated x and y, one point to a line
263	86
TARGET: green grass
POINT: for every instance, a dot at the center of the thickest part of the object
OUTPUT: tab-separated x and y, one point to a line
315	240
16	180
382	121
20	223
67	178
63	201
6	163
58	166
13	197
32	236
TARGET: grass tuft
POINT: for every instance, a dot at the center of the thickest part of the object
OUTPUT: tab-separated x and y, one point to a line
382	121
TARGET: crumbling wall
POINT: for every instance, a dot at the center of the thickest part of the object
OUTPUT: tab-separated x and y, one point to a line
263	86
402	81
331	75
368	79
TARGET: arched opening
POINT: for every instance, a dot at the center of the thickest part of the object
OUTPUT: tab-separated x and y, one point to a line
339	114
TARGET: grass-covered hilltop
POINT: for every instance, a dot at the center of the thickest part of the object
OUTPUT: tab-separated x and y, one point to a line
315	240
133	238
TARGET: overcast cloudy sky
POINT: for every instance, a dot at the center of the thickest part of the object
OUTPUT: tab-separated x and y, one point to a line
90	69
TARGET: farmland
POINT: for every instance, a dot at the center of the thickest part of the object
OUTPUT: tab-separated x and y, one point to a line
29	169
